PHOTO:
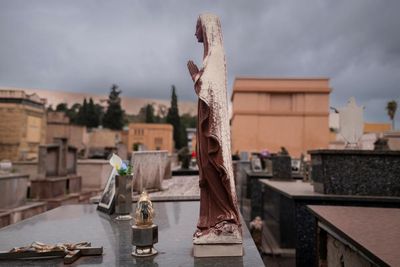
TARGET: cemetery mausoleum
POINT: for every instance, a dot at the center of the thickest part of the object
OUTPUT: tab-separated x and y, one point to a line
268	113
59	126
22	125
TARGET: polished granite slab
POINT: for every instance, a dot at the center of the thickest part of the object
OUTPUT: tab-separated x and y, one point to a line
297	189
374	232
74	223
284	208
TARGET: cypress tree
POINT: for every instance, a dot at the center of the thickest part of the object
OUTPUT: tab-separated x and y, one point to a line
114	116
92	120
99	109
174	119
81	117
150	114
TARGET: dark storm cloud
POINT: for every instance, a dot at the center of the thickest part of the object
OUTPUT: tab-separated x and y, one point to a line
143	45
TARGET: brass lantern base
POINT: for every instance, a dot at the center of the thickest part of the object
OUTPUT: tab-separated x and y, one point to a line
144	251
143	238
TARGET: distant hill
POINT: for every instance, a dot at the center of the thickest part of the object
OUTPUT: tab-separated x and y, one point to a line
131	105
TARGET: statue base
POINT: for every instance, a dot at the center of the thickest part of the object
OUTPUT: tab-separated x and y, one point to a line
227	242
218	250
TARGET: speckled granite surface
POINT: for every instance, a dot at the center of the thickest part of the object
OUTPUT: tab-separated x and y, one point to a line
74	223
281	167
356	172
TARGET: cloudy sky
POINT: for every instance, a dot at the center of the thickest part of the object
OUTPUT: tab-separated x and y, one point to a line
143	46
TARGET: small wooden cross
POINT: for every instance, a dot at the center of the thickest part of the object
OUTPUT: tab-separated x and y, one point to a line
82	251
38	250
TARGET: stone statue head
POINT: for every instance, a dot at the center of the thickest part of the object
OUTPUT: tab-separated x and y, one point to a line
208	30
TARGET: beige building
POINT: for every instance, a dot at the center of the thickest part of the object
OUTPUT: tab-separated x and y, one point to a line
377	127
102	138
268	113
150	136
94	142
58	126
22	125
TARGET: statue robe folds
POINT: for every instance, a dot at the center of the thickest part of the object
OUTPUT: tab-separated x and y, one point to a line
218	202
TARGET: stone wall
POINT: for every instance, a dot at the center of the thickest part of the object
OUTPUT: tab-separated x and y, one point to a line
13	190
101	138
94	173
76	135
29	167
22	130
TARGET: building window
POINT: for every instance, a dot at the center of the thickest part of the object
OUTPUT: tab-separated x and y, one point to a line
138	132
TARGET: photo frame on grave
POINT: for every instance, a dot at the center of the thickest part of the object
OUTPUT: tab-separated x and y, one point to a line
255	163
107	199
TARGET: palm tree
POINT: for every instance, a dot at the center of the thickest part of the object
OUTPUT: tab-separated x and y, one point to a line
391	108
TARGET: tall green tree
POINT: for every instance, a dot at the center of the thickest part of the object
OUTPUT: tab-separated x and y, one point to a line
87	114
62	107
150	114
114	116
99	109
391	108
174	119
72	113
188	121
92	119
81	117
141	116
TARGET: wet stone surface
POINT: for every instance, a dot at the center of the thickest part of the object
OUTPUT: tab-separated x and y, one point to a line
75	223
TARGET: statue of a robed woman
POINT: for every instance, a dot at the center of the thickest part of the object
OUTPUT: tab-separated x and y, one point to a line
219	218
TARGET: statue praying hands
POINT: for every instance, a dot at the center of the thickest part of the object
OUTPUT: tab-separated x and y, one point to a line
219	221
